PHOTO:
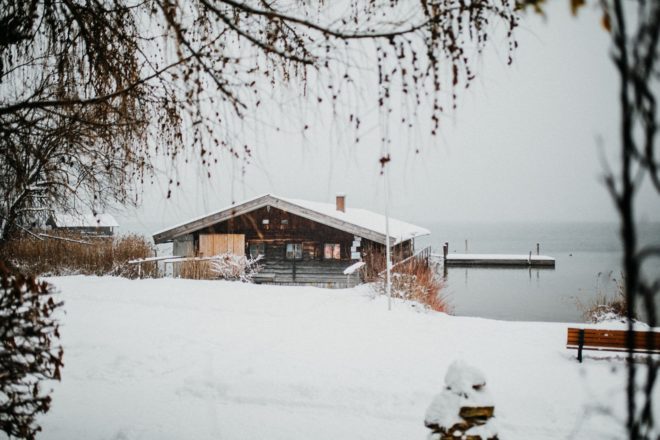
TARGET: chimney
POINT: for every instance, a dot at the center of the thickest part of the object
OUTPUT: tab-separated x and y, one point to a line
341	202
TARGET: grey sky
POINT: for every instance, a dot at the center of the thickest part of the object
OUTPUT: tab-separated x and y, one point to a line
522	146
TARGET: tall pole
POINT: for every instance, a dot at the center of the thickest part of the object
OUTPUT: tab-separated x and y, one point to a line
388	280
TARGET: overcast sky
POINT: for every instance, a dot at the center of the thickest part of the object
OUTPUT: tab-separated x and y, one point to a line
521	147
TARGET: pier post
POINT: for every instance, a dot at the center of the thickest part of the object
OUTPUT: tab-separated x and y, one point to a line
466	246
538	248
529	260
445	250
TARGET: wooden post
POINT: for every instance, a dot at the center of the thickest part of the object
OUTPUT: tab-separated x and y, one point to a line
445	250
529	259
466	246
538	248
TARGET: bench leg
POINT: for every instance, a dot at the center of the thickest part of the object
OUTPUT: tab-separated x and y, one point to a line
580	345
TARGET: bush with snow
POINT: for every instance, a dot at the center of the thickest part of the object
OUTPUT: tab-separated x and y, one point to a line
610	304
235	267
29	354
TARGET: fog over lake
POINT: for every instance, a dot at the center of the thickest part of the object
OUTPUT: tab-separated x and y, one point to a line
528	145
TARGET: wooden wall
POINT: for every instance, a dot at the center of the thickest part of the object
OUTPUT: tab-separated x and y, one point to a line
218	243
283	228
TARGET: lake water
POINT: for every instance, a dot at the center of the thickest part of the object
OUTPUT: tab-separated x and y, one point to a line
588	261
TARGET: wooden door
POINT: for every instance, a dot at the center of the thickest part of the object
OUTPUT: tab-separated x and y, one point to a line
215	244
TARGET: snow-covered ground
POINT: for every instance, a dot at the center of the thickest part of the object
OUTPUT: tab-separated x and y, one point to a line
180	359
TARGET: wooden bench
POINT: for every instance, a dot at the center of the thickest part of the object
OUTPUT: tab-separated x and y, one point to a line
611	340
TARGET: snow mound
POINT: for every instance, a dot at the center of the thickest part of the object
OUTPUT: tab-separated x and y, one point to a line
464	379
461	406
443	411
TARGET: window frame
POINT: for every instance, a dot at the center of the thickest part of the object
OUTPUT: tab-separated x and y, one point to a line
296	251
258	244
335	253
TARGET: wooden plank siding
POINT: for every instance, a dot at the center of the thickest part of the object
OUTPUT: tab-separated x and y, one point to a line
281	228
215	244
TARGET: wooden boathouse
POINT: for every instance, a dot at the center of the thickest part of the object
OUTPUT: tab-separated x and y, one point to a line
302	242
92	224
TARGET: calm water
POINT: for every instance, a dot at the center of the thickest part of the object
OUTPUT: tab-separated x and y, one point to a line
588	259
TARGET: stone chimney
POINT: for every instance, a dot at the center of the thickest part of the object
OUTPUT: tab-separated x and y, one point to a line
341	202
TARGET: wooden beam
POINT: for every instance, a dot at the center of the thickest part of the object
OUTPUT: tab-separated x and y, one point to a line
209	220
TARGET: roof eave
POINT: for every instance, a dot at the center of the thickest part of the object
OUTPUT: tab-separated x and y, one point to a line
169	235
270	200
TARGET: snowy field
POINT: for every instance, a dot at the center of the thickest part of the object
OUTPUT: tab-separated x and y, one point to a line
180	359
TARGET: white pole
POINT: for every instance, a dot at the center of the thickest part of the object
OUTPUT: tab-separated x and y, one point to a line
388	285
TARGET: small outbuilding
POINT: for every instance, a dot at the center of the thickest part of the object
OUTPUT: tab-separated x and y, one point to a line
301	242
102	225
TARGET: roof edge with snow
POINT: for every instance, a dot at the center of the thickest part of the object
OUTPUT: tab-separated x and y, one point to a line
358	222
75	220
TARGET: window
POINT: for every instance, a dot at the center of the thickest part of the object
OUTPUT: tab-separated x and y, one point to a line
257	249
332	251
265	221
285	221
294	251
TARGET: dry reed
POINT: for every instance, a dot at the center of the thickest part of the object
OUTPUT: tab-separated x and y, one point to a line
607	306
196	270
65	253
414	280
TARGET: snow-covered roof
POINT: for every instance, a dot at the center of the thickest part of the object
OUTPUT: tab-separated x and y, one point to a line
62	220
399	230
360	222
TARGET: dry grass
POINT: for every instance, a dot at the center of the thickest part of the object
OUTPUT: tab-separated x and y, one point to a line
71	253
196	270
374	257
416	280
607	306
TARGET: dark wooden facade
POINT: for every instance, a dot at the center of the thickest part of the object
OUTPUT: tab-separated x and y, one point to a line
276	228
273	230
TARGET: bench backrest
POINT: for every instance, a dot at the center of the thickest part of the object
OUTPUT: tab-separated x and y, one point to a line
614	339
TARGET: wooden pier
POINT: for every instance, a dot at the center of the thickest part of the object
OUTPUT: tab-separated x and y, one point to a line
494	260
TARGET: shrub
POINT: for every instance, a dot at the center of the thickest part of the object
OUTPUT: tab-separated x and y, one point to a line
224	266
64	253
235	267
29	353
607	306
416	280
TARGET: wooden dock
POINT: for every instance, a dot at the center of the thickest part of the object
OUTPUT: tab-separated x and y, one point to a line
497	260
494	260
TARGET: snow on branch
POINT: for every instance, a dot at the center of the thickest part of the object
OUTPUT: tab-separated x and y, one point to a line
235	267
